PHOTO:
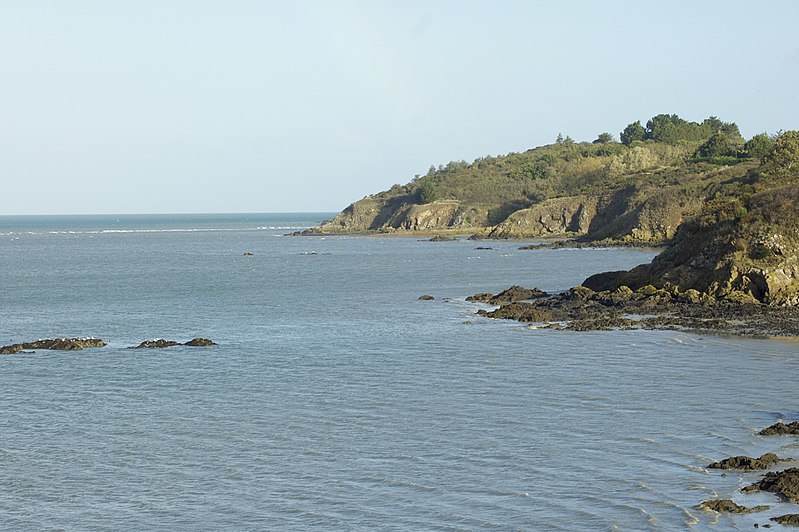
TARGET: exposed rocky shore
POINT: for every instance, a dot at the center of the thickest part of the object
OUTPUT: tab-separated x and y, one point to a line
75	344
747	463
583	309
785	484
730	269
160	343
56	344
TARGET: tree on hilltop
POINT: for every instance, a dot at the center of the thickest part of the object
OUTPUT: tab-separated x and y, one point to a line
604	138
427	193
632	132
758	146
783	159
719	145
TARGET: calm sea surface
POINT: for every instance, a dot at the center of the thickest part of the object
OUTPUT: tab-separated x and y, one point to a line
337	400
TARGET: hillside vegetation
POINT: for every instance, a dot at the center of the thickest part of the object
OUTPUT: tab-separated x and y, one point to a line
637	190
742	245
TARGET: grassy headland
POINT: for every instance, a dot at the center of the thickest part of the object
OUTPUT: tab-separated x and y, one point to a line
726	209
638	190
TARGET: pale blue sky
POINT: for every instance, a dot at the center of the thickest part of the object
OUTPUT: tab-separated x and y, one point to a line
257	106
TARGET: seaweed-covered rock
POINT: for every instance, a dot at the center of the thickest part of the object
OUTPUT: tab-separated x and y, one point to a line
601	324
10	349
517	293
511	295
784	483
64	344
426	297
727	506
523	312
156	344
747	463
57	344
200	342
781	429
482	297
787	519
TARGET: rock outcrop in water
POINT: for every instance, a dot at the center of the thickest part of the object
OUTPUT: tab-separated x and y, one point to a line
200	342
57	344
582	309
727	506
511	295
783	483
747	463
787	520
781	429
160	343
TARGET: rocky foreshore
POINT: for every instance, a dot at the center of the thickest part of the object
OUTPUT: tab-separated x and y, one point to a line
160	343
785	484
55	344
75	344
583	309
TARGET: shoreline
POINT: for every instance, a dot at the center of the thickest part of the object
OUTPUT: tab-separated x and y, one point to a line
546	241
581	309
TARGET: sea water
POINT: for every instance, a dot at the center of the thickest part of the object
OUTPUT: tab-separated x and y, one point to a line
336	399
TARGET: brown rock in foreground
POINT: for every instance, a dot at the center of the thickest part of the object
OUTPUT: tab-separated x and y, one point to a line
56	344
784	483
747	463
781	429
727	506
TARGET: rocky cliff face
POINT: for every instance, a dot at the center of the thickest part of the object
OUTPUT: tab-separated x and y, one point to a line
560	216
399	214
639	215
729	252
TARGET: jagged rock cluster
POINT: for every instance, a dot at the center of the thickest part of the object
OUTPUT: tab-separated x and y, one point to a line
583	309
74	344
783	483
58	344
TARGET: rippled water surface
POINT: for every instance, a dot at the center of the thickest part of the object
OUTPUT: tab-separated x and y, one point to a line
337	400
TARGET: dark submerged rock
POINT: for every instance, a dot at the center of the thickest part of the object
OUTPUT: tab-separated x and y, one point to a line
442	238
747	463
781	429
156	344
787	519
784	483
426	297
727	506
200	342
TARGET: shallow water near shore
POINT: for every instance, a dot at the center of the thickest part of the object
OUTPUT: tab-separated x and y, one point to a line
337	400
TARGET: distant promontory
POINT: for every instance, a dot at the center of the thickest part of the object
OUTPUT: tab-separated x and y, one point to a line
726	208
